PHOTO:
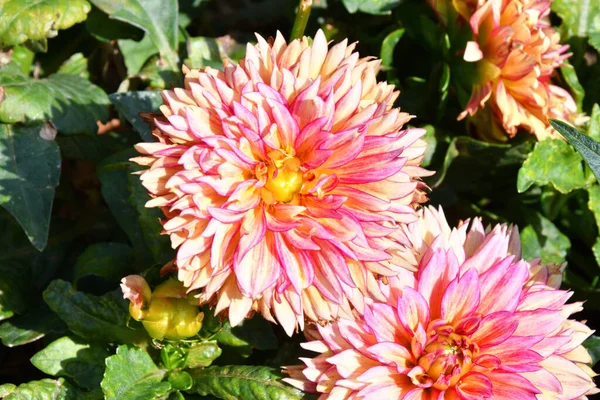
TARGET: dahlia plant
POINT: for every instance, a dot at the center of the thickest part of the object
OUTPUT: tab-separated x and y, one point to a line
475	322
191	189
283	180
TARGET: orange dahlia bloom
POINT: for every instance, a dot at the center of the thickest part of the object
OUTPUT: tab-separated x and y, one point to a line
516	51
475	322
283	180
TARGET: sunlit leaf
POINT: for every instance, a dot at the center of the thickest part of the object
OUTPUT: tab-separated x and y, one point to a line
552	162
22	20
242	382
131	374
73	358
586	146
157	17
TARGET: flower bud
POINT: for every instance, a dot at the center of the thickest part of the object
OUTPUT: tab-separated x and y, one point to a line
165	313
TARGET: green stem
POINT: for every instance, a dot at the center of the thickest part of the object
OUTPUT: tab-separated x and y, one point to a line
301	19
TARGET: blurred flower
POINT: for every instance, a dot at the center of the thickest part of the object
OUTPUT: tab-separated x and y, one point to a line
516	51
475	322
283	180
166	313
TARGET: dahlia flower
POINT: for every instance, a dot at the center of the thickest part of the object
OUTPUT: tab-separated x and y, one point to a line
283	179
516	51
475	322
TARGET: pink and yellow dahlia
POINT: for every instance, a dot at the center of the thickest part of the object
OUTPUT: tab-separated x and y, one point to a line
475	322
516	51
283	180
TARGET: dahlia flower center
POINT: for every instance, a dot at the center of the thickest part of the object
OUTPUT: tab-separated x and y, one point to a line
446	360
285	180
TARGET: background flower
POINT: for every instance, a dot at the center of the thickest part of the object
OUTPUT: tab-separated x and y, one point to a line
475	322
517	52
284	178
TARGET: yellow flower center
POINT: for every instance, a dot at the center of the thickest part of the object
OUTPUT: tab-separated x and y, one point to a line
284	182
447	359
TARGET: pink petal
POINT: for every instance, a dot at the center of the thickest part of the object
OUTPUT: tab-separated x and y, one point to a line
258	269
509	386
475	386
461	297
412	309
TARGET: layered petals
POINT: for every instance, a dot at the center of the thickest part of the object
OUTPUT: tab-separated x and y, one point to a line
284	179
465	328
516	51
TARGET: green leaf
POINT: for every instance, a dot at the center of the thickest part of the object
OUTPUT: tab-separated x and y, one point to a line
467	159
596	250
203	52
29	173
552	162
110	261
100	318
31	326
179	396
100	26
202	354
173	357
180	380
377	7
594	206
592	344
45	389
541	238
37	46
25	271
22	20
136	53
114	174
388	45
432	143
580	17
570	76
23	58
158	18
95	148
77	64
242	382
552	202
158	76
594	40
72	103
6	389
73	358
594	128
210	52
13	289
587	147
131	374
131	104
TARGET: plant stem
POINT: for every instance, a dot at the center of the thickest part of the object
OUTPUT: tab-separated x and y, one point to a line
301	19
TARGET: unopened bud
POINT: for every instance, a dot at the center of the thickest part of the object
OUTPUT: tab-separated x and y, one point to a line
165	313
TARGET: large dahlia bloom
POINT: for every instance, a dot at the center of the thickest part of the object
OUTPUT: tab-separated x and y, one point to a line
516	51
283	178
475	322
